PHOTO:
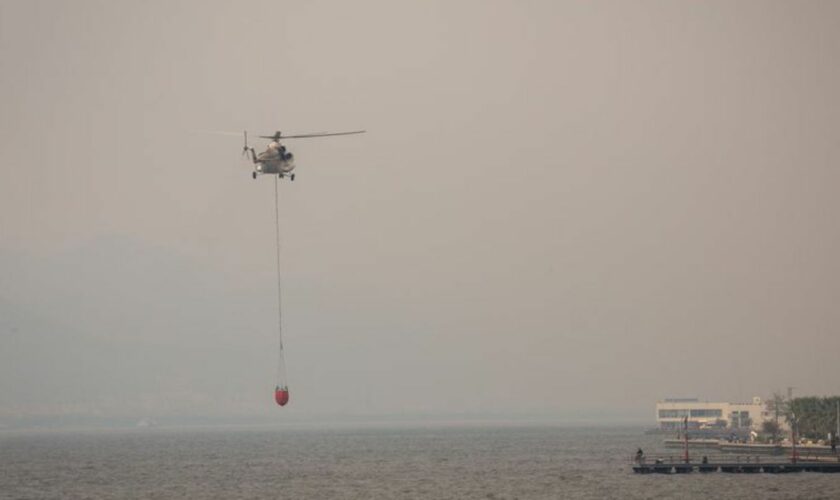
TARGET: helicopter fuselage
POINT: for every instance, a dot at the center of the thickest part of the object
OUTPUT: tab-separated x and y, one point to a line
274	160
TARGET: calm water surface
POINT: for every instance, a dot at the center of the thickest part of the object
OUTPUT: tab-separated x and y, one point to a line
406	461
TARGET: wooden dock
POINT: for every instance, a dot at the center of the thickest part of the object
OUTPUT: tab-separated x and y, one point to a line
735	465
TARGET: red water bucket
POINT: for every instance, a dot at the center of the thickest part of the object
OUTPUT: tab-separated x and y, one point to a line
281	396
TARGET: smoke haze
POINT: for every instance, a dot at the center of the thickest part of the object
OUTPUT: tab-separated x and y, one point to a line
567	209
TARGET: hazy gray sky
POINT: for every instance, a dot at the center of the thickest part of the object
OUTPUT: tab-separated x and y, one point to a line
563	208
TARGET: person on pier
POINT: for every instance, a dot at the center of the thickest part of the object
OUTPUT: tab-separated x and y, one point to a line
640	456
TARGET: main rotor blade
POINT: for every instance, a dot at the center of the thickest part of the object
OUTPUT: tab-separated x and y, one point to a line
306	136
218	132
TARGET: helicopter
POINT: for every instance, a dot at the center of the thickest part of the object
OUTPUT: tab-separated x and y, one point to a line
276	159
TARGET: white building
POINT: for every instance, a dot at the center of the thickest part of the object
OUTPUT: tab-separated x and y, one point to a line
670	414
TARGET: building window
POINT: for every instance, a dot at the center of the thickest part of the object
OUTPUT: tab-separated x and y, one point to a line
740	419
704	413
673	413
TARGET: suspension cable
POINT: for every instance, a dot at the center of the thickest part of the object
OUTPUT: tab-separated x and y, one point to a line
281	375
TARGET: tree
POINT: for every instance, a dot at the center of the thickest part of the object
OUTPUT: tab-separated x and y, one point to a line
815	416
778	407
771	428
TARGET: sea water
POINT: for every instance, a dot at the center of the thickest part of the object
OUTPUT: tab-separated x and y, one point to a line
440	461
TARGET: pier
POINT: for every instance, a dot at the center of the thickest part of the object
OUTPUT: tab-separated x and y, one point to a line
738	464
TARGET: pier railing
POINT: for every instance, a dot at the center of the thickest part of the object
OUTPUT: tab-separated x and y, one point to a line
718	458
677	464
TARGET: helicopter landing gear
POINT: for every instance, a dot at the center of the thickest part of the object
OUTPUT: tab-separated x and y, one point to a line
254	175
292	177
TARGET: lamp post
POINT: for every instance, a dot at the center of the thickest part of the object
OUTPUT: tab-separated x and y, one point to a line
836	435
